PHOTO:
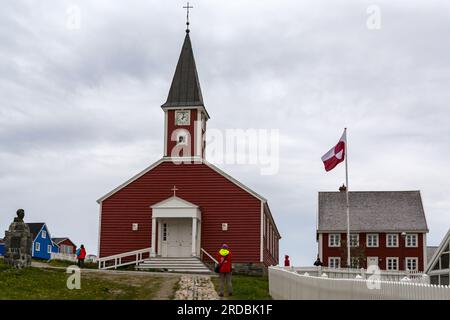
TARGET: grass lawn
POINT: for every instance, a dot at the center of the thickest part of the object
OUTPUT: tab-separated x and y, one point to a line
44	284
65	264
247	287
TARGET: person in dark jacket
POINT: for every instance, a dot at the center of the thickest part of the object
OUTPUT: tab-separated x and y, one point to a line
81	255
224	267
287	263
318	263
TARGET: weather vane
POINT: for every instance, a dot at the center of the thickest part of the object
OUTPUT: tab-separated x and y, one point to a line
187	7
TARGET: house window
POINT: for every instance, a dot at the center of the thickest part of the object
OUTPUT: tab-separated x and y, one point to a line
334	262
391	263
44	234
411	240
354	240
49	249
164	232
392	240
411	264
372	240
355	262
334	240
37	246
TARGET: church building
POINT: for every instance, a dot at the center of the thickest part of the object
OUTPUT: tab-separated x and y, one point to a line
181	205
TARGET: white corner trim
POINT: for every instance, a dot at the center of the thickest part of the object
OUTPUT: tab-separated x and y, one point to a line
320	247
261	253
99	229
424	243
166	130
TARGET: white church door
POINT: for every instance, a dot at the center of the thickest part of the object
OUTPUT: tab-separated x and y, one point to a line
178	238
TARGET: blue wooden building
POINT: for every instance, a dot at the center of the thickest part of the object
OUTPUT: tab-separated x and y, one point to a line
43	245
2	247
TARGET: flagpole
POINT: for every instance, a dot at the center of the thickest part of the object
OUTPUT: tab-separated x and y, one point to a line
348	204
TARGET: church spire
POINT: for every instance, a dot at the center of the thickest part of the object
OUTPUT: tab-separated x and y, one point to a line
185	89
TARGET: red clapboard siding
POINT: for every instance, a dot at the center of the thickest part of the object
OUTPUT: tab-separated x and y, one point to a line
382	251
219	200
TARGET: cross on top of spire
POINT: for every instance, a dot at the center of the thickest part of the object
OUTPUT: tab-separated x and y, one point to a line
187	7
174	189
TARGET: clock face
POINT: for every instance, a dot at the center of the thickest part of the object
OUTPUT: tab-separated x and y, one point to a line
182	118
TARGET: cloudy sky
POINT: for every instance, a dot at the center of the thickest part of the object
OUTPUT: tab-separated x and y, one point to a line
80	103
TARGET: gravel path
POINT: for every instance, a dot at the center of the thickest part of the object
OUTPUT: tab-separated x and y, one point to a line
193	287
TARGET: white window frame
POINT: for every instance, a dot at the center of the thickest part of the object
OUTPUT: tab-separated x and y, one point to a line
376	237
416	259
357	240
416	240
395	235
49	248
396	263
334	243
37	246
44	234
333	265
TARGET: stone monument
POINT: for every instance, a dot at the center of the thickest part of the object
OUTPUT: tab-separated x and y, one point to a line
18	242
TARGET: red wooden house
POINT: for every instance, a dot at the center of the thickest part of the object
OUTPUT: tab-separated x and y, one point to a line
205	209
387	229
65	245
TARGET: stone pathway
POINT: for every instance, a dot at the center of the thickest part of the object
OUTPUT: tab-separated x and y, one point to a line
193	287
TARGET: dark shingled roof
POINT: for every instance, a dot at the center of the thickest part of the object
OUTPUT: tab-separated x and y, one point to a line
58	240
185	89
35	228
430	251
372	211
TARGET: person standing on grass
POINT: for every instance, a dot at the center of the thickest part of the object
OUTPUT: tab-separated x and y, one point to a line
81	255
224	269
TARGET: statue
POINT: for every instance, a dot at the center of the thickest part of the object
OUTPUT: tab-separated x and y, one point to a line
18	242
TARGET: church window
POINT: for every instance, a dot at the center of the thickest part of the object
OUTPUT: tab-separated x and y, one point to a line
164	232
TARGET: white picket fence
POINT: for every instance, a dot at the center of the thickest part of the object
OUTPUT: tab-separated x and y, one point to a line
345	273
63	256
286	284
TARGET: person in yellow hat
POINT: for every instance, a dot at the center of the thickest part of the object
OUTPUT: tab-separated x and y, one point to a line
224	269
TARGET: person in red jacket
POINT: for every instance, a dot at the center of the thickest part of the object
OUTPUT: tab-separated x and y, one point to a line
224	268
81	255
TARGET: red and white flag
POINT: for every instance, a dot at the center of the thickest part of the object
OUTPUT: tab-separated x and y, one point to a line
336	154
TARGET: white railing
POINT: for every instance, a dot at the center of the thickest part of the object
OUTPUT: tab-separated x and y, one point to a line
342	273
63	256
115	261
210	256
286	284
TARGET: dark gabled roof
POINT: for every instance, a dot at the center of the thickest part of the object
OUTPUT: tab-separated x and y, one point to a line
372	211
185	89
57	241
35	228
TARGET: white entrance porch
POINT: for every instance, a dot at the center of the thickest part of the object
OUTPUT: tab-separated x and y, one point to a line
176	228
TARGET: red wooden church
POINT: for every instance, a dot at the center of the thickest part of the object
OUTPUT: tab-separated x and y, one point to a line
181	205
